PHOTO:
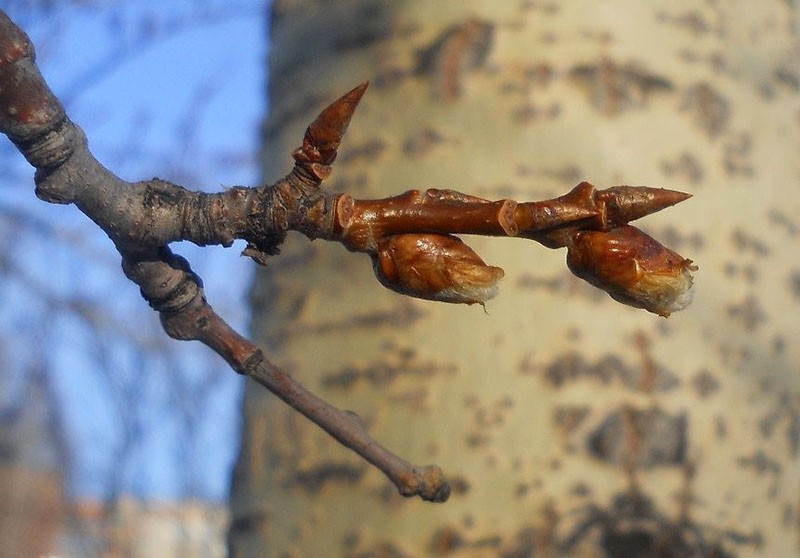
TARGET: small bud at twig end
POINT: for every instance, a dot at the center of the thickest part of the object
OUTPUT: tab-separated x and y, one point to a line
324	135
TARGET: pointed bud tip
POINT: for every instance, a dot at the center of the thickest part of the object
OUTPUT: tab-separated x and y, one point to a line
356	92
331	124
324	135
667	198
628	203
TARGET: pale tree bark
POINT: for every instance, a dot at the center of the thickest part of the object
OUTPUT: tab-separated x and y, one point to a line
568	424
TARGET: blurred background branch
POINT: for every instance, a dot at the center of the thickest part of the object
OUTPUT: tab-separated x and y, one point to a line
104	422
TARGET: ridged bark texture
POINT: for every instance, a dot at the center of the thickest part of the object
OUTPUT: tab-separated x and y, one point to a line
570	425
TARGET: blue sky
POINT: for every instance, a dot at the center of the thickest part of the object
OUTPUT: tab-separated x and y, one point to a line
161	89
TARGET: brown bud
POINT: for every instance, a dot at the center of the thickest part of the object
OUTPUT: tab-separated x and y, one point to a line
633	268
435	267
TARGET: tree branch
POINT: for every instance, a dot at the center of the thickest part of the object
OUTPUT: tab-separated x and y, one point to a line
409	237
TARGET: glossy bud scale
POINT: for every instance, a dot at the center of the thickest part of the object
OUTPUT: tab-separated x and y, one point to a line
633	268
435	267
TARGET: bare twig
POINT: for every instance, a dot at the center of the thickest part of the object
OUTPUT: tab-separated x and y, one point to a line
409	237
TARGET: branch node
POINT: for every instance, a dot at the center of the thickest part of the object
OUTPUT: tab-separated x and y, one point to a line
166	281
251	363
506	217
344	209
47	152
52	147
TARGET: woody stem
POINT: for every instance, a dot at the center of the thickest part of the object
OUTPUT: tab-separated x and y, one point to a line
359	224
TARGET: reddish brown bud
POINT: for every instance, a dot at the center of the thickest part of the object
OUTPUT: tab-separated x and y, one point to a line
633	268
435	267
324	135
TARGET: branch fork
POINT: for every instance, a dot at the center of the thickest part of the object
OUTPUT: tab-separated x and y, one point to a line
411	238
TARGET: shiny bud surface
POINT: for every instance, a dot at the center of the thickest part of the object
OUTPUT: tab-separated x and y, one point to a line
435	267
633	268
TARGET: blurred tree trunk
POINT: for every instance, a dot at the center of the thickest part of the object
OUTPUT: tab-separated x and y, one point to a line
570	425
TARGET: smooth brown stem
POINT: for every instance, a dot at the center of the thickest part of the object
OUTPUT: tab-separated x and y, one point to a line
360	224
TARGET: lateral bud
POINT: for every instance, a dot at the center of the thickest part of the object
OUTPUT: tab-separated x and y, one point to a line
633	268
435	267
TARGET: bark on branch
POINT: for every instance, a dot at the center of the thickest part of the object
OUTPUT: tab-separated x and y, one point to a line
409	237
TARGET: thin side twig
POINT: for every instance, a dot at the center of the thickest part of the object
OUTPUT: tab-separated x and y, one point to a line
198	321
